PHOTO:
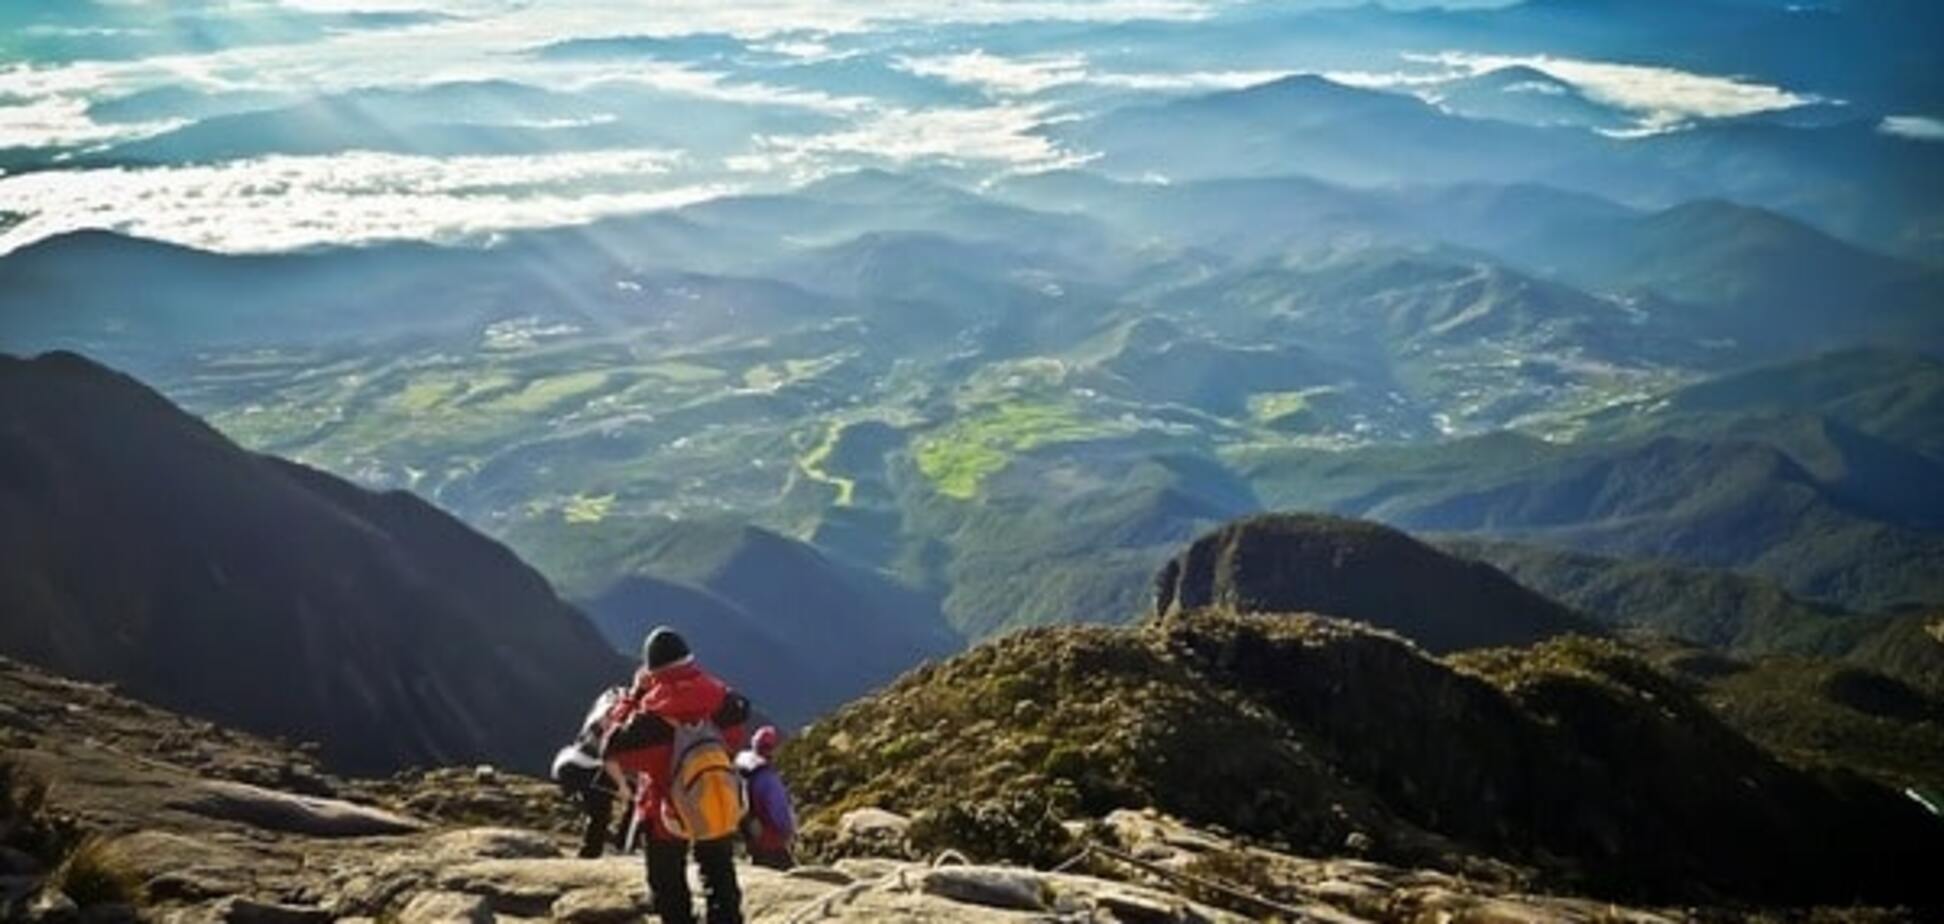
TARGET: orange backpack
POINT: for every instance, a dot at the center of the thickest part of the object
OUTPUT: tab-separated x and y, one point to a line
706	796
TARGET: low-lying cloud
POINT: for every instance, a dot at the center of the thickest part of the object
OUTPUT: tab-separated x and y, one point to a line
1660	97
1920	128
1002	134
284	202
63	121
1000	75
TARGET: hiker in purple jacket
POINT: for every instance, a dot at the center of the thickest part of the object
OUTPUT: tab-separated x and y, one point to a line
770	827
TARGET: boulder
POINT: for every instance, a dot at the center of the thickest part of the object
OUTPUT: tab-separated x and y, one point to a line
529	888
596	906
492	844
273	810
196	883
445	908
990	886
871	832
239	910
1130	908
179	868
15	720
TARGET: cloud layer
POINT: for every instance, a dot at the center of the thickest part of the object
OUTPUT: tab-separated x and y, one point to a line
756	95
1661	97
282	203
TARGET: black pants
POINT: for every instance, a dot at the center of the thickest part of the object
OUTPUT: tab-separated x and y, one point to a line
598	804
668	880
591	788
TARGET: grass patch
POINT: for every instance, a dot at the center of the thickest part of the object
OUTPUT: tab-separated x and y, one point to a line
958	458
423	394
98	873
771	376
585	508
543	393
1274	404
683	373
86	868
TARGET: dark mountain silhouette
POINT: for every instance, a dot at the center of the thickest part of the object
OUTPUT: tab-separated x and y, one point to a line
1308	563
797	631
144	548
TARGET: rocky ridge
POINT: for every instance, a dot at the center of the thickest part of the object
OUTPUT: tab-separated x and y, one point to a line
1574	765
219	826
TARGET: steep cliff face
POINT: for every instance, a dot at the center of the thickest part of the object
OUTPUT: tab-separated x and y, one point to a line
1309	563
139	546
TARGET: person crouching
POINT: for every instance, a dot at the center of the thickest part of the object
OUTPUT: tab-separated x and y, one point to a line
586	779
769	831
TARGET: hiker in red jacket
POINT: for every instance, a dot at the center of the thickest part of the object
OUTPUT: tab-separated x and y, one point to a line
675	705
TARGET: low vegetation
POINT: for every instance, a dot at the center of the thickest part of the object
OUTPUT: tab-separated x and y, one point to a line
960	456
96	872
1310	734
1821	713
88	869
27	823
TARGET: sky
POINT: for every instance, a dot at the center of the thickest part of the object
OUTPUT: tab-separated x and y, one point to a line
265	125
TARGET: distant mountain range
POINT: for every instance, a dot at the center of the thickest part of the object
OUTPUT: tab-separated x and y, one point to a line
1820	498
1850	176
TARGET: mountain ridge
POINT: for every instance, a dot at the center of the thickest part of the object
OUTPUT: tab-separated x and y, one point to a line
267	594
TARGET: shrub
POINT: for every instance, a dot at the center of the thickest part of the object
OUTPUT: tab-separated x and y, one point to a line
1019	830
98	873
85	868
26	822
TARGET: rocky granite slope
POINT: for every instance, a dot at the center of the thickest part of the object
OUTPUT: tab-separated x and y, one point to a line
216	826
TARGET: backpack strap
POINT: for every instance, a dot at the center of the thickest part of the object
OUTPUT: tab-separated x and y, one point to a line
641	730
733	711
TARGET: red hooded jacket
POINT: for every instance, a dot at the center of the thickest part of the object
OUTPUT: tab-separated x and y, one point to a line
641	728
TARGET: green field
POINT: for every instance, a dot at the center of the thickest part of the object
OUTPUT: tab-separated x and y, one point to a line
962	454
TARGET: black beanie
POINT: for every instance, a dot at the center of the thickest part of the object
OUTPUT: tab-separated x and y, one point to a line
663	647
